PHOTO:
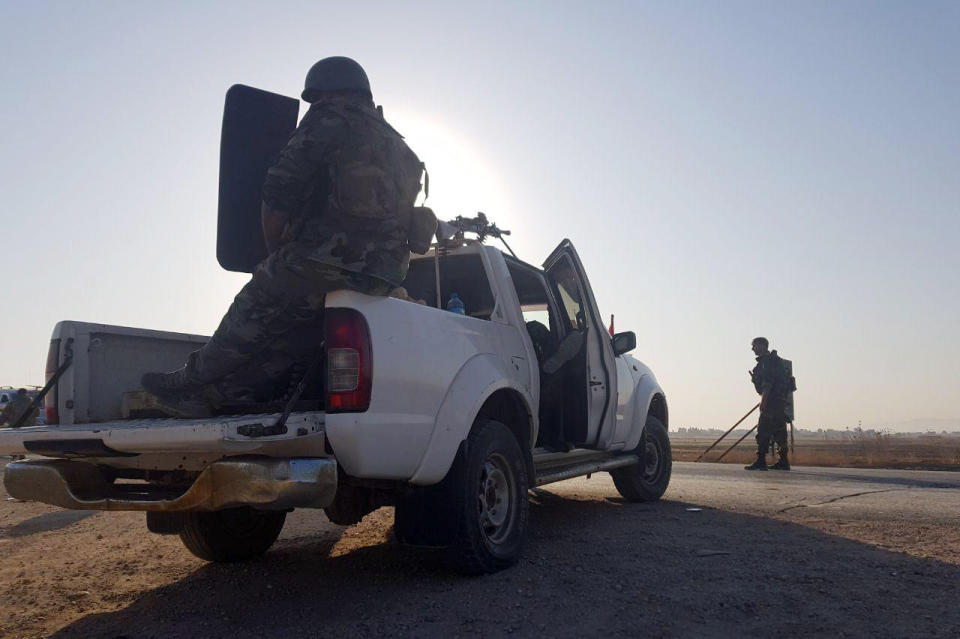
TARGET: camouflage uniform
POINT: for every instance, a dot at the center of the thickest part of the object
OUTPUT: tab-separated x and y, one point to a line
347	182
768	376
17	406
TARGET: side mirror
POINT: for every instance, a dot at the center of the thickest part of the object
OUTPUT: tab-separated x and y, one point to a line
624	343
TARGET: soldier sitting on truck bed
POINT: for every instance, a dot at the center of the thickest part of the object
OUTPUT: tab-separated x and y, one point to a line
337	206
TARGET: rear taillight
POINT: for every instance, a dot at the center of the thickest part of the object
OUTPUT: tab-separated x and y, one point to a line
50	401
349	361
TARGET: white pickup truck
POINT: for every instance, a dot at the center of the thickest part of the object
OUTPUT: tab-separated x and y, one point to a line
449	417
439	414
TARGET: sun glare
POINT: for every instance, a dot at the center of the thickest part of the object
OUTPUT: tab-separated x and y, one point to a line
462	180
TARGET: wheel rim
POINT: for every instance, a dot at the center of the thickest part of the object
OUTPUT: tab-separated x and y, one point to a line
495	498
651	462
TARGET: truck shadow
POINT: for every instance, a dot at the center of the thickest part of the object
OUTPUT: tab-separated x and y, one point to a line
45	523
591	567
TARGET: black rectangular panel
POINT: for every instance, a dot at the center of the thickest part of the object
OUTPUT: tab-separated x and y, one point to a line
256	127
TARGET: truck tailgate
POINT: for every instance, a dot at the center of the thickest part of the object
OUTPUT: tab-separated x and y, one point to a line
227	435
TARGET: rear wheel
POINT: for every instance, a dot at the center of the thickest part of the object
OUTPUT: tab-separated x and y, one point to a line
648	480
489	496
424	517
233	534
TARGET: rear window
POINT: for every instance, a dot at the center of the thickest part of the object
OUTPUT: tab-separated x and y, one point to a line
460	274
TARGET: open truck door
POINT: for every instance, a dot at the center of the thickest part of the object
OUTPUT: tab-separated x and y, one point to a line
256	126
593	420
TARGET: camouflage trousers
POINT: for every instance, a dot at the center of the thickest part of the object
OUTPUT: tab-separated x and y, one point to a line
273	328
771	428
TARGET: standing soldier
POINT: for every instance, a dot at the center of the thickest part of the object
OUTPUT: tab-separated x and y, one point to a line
773	385
336	210
18	405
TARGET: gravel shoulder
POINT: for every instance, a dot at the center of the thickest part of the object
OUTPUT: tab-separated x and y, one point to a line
812	553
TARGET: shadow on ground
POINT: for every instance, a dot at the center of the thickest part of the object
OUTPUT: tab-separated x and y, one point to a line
46	522
592	567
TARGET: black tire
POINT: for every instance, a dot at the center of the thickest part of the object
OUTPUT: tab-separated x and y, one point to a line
233	534
425	517
490	525
648	480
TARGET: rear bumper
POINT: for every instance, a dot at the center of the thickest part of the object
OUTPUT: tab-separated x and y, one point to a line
269	484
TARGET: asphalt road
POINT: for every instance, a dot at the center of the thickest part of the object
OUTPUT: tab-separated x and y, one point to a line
813	552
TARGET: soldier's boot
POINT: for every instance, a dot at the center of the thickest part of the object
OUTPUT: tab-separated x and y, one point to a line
783	463
187	405
760	464
176	394
175	381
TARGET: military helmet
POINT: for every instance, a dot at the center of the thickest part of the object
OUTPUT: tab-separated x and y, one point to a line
334	74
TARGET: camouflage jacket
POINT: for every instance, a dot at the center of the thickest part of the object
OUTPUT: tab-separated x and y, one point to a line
347	181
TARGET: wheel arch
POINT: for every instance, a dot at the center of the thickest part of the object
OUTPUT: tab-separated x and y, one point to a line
501	398
658	409
650	400
508	407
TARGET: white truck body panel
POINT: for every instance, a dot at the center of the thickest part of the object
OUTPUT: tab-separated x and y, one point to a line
646	388
626	385
417	351
432	371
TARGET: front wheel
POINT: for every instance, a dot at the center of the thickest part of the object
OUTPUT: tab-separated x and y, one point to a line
489	490
233	534
648	480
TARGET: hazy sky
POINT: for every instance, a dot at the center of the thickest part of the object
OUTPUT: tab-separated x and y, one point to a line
725	170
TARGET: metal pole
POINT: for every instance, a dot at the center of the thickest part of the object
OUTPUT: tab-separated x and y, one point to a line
726	433
793	445
436	270
18	422
735	445
508	246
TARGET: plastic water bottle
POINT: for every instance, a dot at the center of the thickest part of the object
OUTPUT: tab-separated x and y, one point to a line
455	305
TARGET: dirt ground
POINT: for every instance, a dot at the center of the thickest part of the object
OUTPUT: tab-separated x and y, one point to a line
930	453
736	565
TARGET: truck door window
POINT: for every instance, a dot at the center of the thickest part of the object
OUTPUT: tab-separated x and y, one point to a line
540	317
568	291
537	313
